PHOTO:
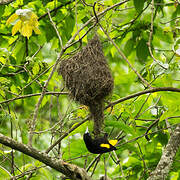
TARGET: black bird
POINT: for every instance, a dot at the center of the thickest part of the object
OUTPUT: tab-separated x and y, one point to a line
99	145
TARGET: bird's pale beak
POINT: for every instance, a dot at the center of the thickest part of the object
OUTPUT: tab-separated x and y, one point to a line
87	131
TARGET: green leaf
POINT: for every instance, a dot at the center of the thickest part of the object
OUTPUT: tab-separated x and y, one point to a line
35	69
172	111
85	19
142	51
2	7
121	125
28	90
50	32
2	93
162	138
69	25
4	81
4	174
12	60
19	51
129	47
139	4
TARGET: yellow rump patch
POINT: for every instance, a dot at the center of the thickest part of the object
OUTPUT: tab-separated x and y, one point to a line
113	142
105	145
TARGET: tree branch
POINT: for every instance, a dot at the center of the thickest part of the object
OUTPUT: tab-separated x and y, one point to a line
5	2
150	36
66	134
31	95
55	9
70	170
167	157
143	92
125	58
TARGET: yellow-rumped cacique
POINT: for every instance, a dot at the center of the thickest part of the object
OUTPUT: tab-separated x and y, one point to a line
99	145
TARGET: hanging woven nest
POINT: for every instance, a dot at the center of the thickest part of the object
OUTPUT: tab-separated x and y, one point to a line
88	77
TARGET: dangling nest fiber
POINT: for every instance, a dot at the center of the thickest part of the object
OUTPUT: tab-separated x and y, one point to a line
88	78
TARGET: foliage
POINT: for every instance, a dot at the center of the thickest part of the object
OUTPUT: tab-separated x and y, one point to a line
27	59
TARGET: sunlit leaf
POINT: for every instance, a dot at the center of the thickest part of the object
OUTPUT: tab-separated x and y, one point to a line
2	7
16	28
36	30
36	69
2	60
26	30
142	51
139	4
12	18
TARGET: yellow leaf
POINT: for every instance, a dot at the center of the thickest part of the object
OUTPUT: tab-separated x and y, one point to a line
36	30
167	29
113	142
26	30
34	20
110	110
105	145
2	60
16	27
12	18
35	69
2	93
84	107
34	16
100	8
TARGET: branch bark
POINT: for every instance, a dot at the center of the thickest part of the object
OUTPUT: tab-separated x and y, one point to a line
32	95
4	2
143	92
164	165
70	170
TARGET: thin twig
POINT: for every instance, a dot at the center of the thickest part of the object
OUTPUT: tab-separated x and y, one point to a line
76	19
26	172
33	123
68	44
55	9
32	95
92	162
30	74
55	28
36	78
137	115
105	168
144	163
154	132
97	161
150	36
118	162
6	171
143	92
151	107
124	57
85	4
68	160
66	134
94	10
40	47
170	20
155	122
